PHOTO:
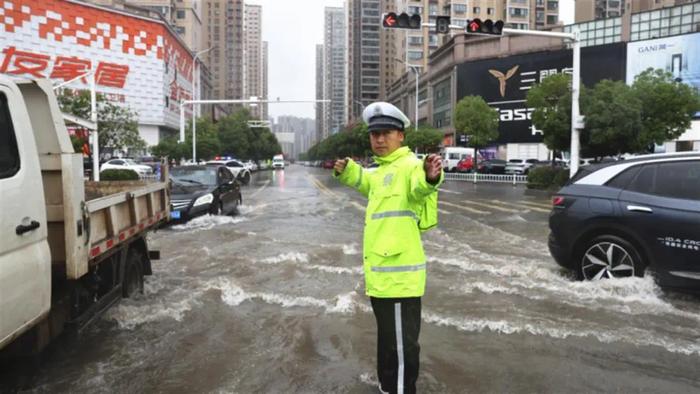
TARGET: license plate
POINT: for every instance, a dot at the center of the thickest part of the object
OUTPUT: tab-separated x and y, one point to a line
175	214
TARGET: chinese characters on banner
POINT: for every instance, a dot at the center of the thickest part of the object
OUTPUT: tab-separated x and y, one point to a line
528	78
64	67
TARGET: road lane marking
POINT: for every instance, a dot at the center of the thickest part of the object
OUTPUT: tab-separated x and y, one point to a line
549	207
442	211
261	188
491	206
449	191
357	205
468	209
521	205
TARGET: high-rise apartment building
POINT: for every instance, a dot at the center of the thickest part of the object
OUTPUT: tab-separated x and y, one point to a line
601	9
373	53
265	57
188	23
253	57
223	23
320	119
334	70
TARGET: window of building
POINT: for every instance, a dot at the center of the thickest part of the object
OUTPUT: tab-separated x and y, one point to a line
415	40
460	22
517	12
665	22
490	11
552	19
415	55
477	10
180	14
414	10
459	8
9	155
552	5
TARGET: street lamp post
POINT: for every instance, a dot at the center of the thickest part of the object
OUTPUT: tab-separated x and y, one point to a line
93	118
194	107
417	73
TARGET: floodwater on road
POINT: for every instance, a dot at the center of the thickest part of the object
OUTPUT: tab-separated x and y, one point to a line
272	300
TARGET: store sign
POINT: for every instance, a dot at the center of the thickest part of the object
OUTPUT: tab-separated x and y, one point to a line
678	55
504	83
137	61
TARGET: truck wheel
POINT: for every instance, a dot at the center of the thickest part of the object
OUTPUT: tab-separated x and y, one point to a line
133	275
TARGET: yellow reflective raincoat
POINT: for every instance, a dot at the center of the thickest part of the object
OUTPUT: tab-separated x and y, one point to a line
401	205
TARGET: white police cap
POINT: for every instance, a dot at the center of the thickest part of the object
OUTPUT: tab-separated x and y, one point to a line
384	116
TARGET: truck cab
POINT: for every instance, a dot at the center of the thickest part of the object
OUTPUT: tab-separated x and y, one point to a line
25	258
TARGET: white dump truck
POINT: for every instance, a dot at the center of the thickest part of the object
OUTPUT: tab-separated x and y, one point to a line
69	249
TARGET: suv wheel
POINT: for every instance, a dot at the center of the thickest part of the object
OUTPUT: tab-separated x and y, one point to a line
609	256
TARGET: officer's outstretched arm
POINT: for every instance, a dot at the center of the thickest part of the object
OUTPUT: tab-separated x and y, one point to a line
420	188
354	176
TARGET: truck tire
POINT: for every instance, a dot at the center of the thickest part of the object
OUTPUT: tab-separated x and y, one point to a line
133	273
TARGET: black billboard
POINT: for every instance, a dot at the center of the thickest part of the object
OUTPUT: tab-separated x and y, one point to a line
504	82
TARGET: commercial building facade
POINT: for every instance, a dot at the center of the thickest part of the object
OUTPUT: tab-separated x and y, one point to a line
139	62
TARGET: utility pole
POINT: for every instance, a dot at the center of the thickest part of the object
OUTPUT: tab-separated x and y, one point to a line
93	118
194	109
415	70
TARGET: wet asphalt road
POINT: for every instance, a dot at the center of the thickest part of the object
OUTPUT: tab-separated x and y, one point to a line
272	300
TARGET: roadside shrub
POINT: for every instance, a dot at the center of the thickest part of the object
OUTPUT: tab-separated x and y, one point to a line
119	175
561	177
547	177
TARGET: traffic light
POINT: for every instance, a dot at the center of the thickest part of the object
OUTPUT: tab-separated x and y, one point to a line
485	27
442	24
402	21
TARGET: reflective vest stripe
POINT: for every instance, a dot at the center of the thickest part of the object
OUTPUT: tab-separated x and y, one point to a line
394	214
399	268
399	346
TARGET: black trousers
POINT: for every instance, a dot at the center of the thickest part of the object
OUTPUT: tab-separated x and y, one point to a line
398	327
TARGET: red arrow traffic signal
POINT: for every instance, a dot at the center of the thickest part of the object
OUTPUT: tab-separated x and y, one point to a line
402	21
389	20
486	27
474	26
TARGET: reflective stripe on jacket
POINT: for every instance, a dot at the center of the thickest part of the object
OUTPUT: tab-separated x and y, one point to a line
401	203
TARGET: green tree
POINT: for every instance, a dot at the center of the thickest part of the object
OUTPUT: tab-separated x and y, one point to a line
551	100
234	134
425	139
613	119
117	125
171	148
667	107
208	144
478	120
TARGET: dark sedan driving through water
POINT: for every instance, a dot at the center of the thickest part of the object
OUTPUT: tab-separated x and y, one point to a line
199	190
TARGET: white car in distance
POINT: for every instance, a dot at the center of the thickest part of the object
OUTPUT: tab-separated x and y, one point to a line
127	164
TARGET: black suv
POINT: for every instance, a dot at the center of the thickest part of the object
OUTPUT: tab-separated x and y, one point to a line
619	219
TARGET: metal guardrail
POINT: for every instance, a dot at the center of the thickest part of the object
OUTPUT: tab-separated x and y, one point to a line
487	178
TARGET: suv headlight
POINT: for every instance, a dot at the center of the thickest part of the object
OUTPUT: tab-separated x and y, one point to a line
205	199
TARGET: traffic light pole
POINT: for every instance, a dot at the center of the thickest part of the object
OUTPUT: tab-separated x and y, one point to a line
577	122
194	104
576	119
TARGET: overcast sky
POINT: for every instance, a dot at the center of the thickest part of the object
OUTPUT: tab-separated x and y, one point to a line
292	30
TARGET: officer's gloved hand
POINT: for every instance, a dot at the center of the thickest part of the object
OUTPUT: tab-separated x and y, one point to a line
340	165
433	167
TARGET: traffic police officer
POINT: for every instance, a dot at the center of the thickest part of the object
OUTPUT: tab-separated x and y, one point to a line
402	195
